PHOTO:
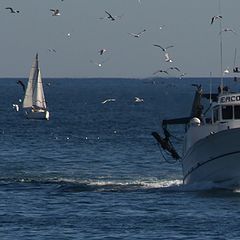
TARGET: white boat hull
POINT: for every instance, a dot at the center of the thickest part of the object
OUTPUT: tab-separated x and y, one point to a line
41	115
215	158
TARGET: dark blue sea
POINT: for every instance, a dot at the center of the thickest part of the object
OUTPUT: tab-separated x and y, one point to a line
93	171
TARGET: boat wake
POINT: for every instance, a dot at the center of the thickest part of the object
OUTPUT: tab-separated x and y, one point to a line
92	185
65	184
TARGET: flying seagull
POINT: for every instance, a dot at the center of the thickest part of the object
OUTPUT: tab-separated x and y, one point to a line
22	84
215	18
99	64
52	50
102	51
56	12
175	68
161	71
12	10
228	30
161	27
167	58
137	35
164	49
110	16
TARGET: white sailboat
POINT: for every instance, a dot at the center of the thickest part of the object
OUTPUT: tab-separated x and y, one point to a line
34	101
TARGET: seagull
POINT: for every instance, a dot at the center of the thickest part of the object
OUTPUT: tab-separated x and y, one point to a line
161	27
102	51
109	100
182	75
161	71
52	50
228	30
175	68
215	17
164	49
110	16
226	71
99	64
138	100
167	58
22	84
55	12
137	35
15	107
12	10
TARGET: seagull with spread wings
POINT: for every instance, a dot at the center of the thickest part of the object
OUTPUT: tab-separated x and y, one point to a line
110	16
137	35
12	10
227	30
164	49
215	18
175	68
161	71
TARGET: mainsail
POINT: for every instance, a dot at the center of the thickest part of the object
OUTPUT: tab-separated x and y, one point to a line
34	96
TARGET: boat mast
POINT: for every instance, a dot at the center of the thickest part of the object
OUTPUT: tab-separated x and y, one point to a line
221	47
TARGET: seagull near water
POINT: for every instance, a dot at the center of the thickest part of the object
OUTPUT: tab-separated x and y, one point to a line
12	10
137	35
55	12
161	71
138	100
109	100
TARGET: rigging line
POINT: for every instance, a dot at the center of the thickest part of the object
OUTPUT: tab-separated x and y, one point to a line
235	56
166	160
171	135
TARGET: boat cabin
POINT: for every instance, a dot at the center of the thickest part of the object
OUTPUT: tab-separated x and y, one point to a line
227	108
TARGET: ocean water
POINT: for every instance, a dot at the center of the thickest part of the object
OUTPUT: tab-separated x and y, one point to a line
93	171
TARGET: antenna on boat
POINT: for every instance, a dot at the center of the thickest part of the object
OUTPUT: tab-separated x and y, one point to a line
210	90
221	50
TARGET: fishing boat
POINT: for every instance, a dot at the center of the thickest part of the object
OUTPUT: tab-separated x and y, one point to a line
211	149
211	146
34	102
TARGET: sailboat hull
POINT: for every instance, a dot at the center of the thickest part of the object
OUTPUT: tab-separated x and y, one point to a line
41	115
215	158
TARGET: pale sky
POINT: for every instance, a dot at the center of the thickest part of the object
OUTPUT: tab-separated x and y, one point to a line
186	26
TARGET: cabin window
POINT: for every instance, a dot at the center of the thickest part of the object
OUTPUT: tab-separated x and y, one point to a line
215	115
237	112
227	112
